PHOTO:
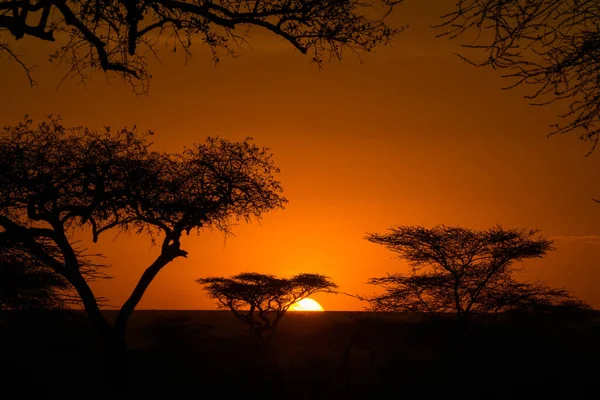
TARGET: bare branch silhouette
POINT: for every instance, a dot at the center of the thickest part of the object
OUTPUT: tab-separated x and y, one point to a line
552	46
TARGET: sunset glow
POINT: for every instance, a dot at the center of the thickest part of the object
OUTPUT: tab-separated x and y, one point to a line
307	304
403	138
175	176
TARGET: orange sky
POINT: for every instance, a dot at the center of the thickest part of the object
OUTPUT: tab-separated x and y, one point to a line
411	136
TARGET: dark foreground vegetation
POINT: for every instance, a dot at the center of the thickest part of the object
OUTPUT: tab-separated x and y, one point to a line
313	356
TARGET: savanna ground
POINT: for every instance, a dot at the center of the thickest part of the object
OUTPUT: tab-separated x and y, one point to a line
328	355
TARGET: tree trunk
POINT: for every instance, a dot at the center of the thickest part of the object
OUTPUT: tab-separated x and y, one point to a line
116	360
114	344
116	351
139	290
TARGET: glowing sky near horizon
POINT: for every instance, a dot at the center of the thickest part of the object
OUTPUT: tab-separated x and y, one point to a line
411	136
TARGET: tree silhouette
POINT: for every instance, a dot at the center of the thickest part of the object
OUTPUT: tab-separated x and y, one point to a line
463	272
551	45
261	300
121	35
56	180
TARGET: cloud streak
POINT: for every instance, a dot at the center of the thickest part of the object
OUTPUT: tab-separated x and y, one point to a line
591	239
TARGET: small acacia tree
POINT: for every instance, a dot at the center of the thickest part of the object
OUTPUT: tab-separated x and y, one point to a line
462	272
121	35
260	300
56	180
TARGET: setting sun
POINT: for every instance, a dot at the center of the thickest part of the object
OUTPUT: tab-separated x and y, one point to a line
306	304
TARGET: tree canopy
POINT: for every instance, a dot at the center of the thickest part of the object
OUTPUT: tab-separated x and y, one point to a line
552	46
122	35
261	300
463	272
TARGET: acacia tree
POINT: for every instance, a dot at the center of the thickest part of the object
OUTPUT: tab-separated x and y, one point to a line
551	45
121	35
261	300
56	180
463	272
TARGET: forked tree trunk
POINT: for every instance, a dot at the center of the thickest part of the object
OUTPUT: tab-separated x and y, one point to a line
115	366
116	354
116	350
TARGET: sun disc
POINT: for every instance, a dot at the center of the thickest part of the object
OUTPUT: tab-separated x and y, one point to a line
306	304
